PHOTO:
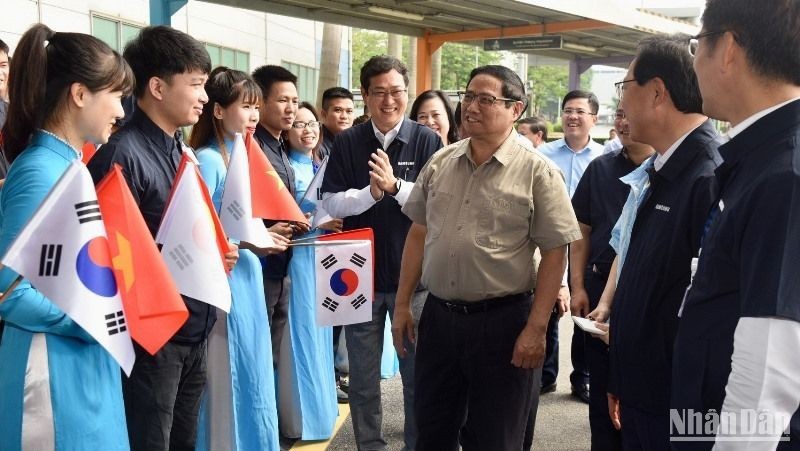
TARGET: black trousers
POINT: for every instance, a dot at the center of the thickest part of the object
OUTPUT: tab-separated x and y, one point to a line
467	390
643	430
604	436
162	397
276	292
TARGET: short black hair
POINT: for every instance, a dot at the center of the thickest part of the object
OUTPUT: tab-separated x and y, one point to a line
268	75
381	64
667	58
162	51
4	47
336	92
452	134
767	30
594	104
536	124
513	88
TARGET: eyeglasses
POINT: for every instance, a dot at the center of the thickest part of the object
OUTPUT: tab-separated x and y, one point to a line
694	41
577	112
485	100
620	86
395	93
302	125
619	116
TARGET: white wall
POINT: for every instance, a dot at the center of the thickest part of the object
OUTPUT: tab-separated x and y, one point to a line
269	38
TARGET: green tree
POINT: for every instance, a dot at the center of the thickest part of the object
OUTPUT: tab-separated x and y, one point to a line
549	85
366	44
458	60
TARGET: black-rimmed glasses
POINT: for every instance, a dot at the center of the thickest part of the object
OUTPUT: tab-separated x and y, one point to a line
620	87
694	41
486	100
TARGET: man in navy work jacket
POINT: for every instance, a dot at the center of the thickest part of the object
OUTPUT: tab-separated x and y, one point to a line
736	354
662	104
370	173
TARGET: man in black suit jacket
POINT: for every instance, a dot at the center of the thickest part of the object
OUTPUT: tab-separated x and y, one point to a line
735	362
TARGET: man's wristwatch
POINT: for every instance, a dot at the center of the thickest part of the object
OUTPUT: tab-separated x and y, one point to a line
397	185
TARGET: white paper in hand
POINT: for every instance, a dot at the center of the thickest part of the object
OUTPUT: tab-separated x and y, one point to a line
587	325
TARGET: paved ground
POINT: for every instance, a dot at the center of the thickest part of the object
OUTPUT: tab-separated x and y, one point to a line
562	423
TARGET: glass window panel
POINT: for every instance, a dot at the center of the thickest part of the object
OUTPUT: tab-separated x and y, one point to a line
127	33
214	53
228	58
106	30
243	61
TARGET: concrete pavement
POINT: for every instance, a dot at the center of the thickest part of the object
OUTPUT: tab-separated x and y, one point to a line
562	422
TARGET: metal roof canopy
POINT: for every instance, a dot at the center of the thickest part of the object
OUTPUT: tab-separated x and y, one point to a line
594	31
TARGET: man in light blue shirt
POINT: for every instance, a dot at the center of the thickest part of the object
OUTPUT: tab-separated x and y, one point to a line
576	149
572	154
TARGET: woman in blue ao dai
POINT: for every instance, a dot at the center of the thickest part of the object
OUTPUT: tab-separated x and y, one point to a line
59	389
238	410
308	390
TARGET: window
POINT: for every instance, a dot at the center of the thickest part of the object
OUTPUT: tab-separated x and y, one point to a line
113	32
307	79
224	56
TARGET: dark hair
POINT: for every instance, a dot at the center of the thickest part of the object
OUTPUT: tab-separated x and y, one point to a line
381	64
768	31
360	119
268	75
452	134
309	107
224	87
4	47
536	124
39	83
594	104
667	58
513	88
162	51
337	92
457	115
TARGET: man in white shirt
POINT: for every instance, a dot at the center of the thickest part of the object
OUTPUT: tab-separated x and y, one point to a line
736	350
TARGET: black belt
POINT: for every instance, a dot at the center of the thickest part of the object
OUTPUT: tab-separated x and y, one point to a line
468	308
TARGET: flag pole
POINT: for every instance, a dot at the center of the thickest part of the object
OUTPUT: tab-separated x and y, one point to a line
325	243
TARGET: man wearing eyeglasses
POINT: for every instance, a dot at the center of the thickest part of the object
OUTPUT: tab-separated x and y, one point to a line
572	154
656	237
481	207
736	352
370	173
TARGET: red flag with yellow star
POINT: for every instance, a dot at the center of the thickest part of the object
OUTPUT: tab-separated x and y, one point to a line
153	306
271	198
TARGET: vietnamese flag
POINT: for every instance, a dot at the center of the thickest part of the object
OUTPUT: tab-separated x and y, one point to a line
153	307
271	199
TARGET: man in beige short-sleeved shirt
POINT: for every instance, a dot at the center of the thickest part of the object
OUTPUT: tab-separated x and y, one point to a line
480	209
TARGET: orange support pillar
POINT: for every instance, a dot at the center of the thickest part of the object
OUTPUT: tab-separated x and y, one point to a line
425	49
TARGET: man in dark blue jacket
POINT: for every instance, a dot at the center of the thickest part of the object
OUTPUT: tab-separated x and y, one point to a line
735	363
371	171
663	106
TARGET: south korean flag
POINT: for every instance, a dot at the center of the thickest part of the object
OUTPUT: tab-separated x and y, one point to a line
344	272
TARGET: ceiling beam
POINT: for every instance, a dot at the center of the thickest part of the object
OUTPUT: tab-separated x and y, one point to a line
525	30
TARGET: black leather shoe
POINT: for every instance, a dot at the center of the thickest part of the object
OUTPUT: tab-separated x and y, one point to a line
341	396
581	392
549	388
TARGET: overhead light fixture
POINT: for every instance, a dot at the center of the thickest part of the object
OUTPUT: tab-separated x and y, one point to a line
395	13
579	47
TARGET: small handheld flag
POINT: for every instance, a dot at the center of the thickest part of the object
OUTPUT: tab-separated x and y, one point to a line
153	306
63	251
